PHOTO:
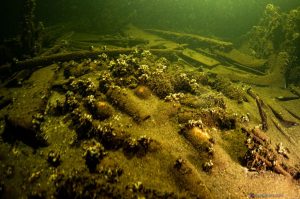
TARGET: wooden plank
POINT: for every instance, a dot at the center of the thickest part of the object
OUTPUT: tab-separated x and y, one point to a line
193	39
275	77
198	57
238	57
154	41
84	54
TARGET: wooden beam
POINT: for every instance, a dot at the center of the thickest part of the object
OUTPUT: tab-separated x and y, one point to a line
193	39
199	57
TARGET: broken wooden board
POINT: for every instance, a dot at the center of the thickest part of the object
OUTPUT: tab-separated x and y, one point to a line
238	57
199	57
193	40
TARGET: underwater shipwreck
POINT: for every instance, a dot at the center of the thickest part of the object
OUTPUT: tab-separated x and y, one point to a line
151	112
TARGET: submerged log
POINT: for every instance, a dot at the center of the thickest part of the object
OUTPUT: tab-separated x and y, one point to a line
115	41
62	57
42	61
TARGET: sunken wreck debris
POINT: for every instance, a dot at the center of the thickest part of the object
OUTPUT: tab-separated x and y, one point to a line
112	111
261	155
136	115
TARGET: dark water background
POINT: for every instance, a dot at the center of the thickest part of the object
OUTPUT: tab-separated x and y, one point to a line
223	18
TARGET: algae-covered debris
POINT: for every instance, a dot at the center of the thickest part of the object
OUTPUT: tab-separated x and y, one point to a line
111	122
116	129
261	155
